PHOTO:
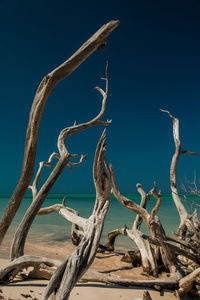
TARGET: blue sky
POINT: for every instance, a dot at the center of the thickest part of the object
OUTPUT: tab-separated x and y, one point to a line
154	63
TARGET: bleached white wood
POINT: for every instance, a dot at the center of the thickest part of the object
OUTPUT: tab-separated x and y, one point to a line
44	90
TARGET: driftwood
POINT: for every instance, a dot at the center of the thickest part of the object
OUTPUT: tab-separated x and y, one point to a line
73	268
23	262
44	90
76	234
149	256
186	283
185	222
63	158
42	264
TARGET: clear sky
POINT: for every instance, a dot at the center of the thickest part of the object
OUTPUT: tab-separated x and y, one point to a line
154	62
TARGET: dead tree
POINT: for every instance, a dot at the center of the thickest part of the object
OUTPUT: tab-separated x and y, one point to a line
44	90
72	269
63	158
44	268
186	227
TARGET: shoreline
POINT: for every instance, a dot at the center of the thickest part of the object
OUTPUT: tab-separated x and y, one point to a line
33	289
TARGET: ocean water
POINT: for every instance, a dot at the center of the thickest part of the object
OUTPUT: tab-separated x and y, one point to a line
53	228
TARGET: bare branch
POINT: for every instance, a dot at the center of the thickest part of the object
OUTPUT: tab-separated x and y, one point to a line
173	172
158	202
42	164
44	90
69	131
71	270
145	197
71	165
17	248
188	152
73	218
49	209
129	204
168	113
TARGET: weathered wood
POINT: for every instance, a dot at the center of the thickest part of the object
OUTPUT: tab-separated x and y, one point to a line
47	210
149	263
144	198
63	157
146	296
136	224
183	214
111	240
17	265
127	203
186	283
75	232
44	90
186	244
174	248
72	269
157	205
91	275
95	276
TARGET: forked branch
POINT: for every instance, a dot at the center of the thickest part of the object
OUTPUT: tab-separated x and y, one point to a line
44	90
71	270
63	161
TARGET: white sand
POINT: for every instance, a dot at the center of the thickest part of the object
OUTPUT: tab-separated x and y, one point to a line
33	289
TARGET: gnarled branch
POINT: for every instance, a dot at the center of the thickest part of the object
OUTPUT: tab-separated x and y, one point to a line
71	270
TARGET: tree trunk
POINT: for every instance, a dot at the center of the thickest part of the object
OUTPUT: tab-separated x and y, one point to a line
183	214
72	269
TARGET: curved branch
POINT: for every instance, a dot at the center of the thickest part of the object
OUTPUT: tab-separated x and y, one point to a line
47	210
173	171
44	90
129	204
158	202
71	270
23	262
71	165
42	164
73	218
144	198
69	131
17	248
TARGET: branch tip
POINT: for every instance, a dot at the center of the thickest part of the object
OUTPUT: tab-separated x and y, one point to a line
167	112
63	201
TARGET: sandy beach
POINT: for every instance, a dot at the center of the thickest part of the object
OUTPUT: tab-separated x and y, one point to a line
33	289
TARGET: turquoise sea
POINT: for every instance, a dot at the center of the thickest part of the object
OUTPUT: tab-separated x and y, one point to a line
53	228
